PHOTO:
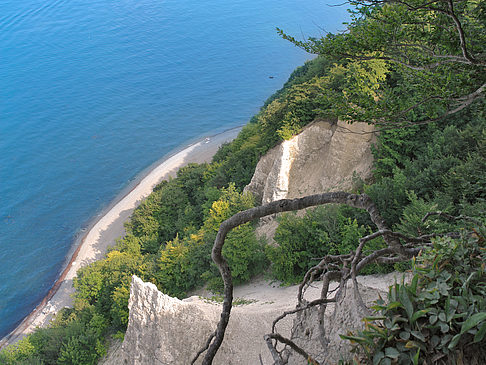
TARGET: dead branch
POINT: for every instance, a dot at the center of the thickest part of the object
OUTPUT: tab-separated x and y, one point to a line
451	217
340	268
299	309
285	205
268	338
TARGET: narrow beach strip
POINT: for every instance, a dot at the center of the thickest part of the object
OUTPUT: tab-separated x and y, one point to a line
93	245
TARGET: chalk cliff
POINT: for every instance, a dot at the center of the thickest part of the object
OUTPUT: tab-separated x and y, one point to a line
323	157
163	330
166	330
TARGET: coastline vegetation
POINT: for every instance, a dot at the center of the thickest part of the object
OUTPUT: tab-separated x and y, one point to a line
428	161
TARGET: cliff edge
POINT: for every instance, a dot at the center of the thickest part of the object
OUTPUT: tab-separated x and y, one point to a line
325	156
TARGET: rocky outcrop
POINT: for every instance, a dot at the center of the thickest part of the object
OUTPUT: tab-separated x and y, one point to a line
166	330
325	156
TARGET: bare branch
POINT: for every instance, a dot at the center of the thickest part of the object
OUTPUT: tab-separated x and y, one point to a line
451	217
208	342
276	357
299	309
284	205
292	345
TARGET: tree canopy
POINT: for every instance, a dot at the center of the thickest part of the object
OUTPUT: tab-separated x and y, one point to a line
406	62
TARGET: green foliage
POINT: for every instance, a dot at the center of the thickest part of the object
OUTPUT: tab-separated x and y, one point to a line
442	166
235	162
244	253
430	65
360	75
105	285
75	337
183	264
20	353
440	313
302	241
173	275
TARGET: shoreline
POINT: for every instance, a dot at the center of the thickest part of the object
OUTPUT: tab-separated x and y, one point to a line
108	226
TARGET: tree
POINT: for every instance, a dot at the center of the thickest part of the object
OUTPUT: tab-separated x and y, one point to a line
431	52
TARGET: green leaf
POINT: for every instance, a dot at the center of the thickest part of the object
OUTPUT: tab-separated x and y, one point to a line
416	357
413	284
419	314
404	335
435	340
374	318
407	304
433	319
444	328
473	321
418	335
393	305
392	353
480	334
354	338
378	357
454	341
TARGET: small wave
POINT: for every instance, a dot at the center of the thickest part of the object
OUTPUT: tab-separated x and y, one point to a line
10	21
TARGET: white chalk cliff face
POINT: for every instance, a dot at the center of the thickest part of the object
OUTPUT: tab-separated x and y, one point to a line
323	157
166	330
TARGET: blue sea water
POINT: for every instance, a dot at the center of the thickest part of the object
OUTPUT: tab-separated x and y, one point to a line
94	91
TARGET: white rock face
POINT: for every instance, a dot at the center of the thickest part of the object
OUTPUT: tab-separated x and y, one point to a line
166	330
323	157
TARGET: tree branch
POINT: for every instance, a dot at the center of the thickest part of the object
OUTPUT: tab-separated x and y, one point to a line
292	345
285	205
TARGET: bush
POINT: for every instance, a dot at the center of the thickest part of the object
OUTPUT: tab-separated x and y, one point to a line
441	314
303	241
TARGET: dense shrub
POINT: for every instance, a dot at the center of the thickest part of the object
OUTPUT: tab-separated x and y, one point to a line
440	316
303	241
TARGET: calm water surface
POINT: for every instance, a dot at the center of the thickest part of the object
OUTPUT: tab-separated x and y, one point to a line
94	91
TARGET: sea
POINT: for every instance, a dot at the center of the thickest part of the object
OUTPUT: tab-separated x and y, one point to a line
92	92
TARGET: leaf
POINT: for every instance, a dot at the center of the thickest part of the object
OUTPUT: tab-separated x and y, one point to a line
374	318
407	304
416	357
418	335
353	338
433	319
404	335
444	328
378	357
411	345
473	321
480	335
393	305
413	284
392	353
454	341
435	340
419	314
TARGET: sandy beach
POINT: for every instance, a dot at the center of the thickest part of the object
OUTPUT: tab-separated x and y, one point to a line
104	231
